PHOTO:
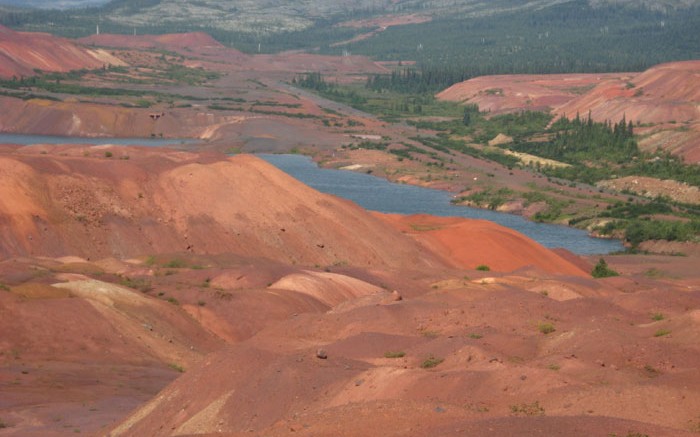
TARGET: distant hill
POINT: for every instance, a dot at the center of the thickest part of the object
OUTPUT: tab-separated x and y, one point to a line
54	4
474	37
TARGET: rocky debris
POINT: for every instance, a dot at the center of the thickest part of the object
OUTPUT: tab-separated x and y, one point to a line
321	354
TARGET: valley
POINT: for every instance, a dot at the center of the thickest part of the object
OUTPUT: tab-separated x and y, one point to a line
191	287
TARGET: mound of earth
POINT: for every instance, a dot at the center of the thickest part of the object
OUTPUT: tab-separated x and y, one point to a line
68	118
103	201
663	99
21	53
507	93
192	40
471	243
472	358
664	93
257	305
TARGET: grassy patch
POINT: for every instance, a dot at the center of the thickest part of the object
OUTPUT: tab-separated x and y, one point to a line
177	367
546	328
175	264
533	409
657	317
141	284
400	354
662	333
431	362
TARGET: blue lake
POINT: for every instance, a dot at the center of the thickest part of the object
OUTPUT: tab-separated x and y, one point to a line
380	195
44	139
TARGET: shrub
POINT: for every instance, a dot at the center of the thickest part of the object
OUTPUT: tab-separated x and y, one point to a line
394	354
661	332
141	284
431	362
108	154
546	328
657	316
483	268
601	270
177	367
533	409
175	264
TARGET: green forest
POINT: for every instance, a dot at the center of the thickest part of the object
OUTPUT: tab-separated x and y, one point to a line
568	37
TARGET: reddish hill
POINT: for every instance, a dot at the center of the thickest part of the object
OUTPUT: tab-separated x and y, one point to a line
446	362
194	40
91	205
21	53
275	301
469	243
664	93
537	92
665	96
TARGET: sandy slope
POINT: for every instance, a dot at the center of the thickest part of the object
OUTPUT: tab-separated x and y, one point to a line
156	202
270	274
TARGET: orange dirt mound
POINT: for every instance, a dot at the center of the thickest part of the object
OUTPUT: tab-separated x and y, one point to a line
667	92
21	53
470	243
506	93
158	201
173	40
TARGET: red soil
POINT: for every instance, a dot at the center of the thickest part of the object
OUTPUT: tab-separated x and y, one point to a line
21	53
158	201
506	93
247	322
663	93
469	243
193	40
666	96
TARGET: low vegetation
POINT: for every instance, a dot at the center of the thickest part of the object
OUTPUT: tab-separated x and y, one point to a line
400	354
431	362
567	152
662	333
601	270
546	328
533	409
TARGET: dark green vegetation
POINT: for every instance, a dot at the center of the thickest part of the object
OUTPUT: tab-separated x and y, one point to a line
465	39
601	270
566	38
431	362
580	151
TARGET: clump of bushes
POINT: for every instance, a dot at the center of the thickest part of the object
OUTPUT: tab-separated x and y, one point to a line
601	270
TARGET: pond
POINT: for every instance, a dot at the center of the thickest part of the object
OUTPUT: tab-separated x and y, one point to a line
377	194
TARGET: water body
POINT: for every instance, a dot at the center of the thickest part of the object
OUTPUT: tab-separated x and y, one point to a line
377	194
44	139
